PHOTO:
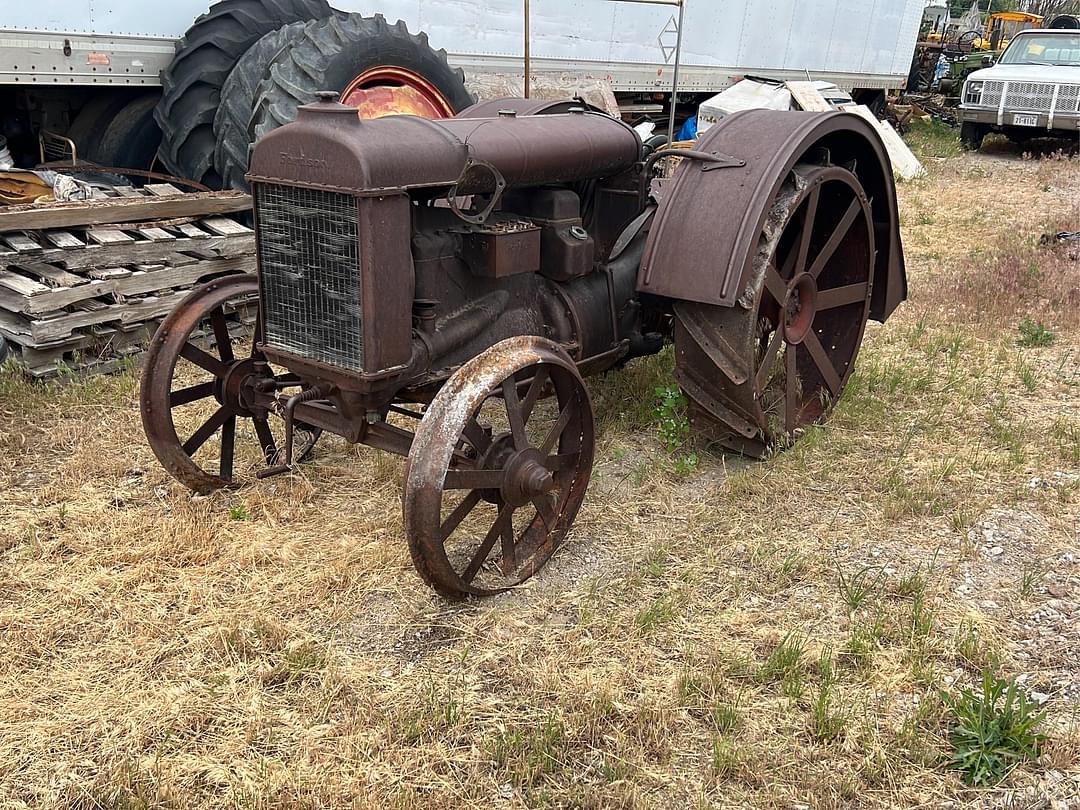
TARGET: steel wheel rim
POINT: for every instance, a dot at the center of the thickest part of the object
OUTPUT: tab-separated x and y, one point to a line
391	90
452	454
159	399
814	301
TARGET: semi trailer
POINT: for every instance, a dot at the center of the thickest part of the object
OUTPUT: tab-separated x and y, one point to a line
189	88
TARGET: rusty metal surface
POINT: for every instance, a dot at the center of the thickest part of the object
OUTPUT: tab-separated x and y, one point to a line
705	236
329	147
232	388
393	240
525	106
763	369
549	479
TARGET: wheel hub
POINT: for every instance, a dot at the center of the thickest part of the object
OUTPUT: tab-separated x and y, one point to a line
236	390
526	478
799	308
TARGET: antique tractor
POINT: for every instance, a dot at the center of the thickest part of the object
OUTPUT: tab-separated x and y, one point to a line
439	289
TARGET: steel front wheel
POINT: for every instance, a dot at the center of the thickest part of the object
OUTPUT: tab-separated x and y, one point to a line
498	469
200	382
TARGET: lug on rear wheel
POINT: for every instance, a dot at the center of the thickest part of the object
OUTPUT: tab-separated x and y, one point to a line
201	383
498	469
800	322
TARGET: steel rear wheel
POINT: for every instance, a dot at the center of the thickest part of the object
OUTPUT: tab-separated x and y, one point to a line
498	469
804	316
199	382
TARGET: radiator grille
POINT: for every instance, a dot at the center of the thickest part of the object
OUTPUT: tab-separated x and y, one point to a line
991	96
1032	96
309	273
1069	98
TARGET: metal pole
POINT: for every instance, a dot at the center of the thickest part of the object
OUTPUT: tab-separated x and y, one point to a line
528	54
675	84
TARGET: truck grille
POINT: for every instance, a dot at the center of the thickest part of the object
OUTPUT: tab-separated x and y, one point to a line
1031	97
309	273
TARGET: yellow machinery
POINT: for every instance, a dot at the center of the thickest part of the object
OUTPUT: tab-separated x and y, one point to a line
1002	26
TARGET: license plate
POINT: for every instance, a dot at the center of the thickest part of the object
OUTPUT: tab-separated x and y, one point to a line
1026	120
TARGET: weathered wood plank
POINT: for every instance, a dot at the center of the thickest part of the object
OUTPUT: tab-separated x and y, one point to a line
21	284
143	251
224	226
139	283
192	231
162	189
156	234
122	209
21	243
52	276
63	239
109	236
131	312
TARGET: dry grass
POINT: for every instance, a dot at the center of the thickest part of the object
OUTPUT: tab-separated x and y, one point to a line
752	635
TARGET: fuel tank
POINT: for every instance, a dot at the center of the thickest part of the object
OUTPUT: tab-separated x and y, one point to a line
329	147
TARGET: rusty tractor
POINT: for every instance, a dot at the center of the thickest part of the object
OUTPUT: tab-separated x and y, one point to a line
438	289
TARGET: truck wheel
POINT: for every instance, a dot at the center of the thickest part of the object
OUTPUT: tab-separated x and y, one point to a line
971	136
378	68
204	57
131	139
233	120
90	122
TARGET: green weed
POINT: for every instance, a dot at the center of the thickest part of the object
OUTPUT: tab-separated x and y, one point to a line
992	730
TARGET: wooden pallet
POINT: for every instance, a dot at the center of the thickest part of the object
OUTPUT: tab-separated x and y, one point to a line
92	293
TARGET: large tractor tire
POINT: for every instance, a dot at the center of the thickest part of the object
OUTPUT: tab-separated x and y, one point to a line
204	58
233	120
379	68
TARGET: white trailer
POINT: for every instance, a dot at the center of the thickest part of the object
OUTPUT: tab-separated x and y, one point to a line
120	78
854	44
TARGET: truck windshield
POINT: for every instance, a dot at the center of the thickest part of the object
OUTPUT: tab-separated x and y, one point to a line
1043	49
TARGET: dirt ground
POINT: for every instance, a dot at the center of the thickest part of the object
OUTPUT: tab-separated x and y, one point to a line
765	635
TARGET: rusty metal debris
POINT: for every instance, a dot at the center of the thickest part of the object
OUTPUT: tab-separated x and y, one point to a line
473	321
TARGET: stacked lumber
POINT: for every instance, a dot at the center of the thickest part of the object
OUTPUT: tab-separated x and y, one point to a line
84	285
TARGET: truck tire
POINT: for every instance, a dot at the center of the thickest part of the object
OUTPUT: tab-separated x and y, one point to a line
131	139
338	53
204	57
233	120
971	136
89	123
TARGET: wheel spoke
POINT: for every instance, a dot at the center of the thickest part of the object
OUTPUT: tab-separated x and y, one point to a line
791	385
266	439
221	335
822	361
459	514
775	284
473	479
836	238
476	436
513	412
546	510
562	461
228	445
557	429
807	228
208	429
204	360
842	296
509	549
770	357
497	528
538	382
185	396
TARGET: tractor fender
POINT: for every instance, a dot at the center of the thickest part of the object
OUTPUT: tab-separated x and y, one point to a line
711	221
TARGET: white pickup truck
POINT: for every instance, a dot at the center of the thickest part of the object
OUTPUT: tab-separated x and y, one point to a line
1032	92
